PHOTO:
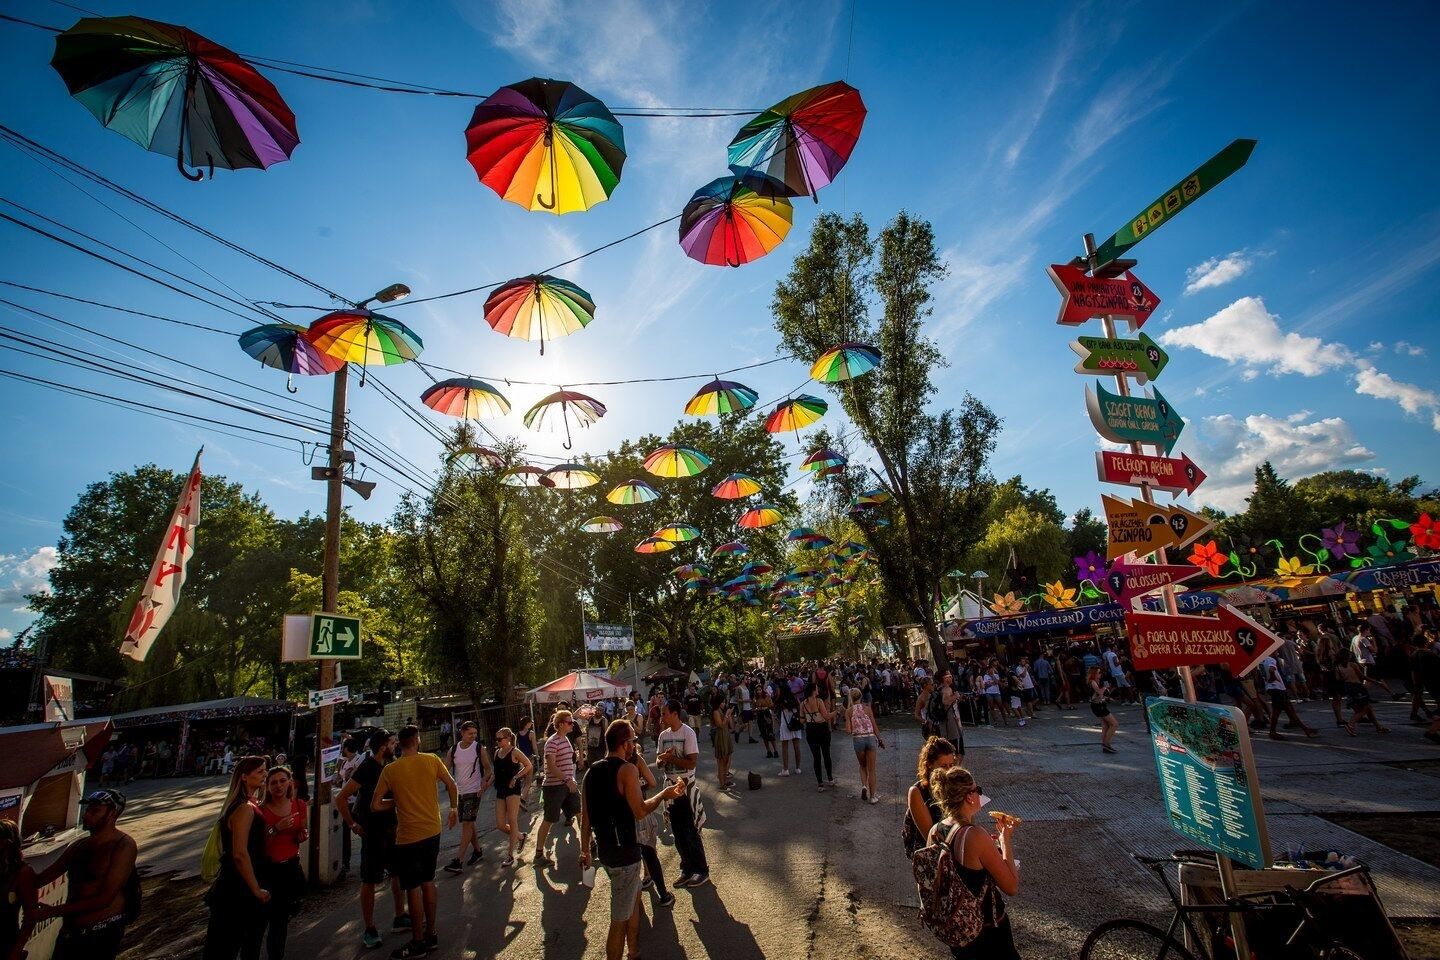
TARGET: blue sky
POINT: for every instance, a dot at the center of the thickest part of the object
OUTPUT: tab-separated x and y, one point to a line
1298	299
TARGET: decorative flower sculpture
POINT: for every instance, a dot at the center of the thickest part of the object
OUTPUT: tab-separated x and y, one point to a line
1090	567
1254	553
1059	596
1340	541
1292	567
1386	551
1425	533
1007	603
1209	557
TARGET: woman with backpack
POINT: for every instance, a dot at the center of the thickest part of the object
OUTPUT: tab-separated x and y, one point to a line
285	832
962	873
815	711
790	729
922	809
238	903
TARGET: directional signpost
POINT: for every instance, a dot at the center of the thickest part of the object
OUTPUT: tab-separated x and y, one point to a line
1159	641
1085	297
1138	470
1126	581
1133	419
329	698
1141	360
333	637
1141	528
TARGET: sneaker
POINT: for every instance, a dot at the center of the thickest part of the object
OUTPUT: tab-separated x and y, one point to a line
371	939
647	883
864	795
798	771
784	772
699	880
402	922
432	943
1109	749
415	948
820	789
829	781
543	860
874	799
684	881
666	901
509	861
454	866
475	857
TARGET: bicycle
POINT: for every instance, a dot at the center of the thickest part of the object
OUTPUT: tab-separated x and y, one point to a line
1131	939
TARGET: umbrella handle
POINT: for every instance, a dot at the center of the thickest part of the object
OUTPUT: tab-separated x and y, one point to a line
567	443
549	149
190	74
290	384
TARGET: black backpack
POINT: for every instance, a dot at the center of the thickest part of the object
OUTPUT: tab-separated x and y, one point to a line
935	709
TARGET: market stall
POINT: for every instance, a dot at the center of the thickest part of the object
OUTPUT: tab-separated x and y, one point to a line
194	734
43	774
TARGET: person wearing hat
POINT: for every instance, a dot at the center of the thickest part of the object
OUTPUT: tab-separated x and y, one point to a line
104	889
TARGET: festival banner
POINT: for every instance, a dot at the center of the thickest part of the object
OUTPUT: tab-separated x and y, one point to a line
608	637
162	588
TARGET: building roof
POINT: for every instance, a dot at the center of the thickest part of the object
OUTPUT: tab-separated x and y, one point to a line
203	710
34	750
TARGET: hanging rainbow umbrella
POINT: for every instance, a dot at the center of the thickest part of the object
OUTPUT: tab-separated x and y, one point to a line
523	475
284	347
800	144
727	224
733	548
360	336
823	459
834	471
761	516
653	545
801	534
175	93
466	398
632	492
471	456
795	414
557	409
845	362
721	396
570	476
677	533
676	461
690	571
546	145
755	568
735	486
872	497
602	525
538	307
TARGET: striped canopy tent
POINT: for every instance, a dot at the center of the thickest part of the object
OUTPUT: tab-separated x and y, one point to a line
578	686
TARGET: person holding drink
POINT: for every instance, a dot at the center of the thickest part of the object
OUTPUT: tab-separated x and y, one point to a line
986	865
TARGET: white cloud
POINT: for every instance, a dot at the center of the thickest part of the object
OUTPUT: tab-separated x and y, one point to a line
1216	271
22	576
5	634
1230	449
1413	399
1409	349
1246	333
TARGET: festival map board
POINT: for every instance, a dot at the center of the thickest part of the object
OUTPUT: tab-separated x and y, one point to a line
1207	778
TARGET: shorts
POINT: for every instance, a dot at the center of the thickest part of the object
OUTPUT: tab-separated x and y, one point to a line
1119	680
377	854
1100	709
469	807
95	941
1279	699
1334	687
415	862
747	715
1027	696
558	798
864	744
624	889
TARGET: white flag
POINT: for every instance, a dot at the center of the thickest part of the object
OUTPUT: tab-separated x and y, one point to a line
162	589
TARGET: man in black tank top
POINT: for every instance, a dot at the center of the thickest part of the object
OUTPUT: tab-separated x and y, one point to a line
613	802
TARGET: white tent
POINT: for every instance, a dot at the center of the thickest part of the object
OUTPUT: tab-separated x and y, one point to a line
579	686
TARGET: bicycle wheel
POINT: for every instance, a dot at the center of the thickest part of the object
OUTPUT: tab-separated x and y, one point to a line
1125	939
1338	952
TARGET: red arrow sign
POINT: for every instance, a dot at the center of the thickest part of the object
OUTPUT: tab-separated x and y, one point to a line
1086	297
1162	473
1160	640
1126	581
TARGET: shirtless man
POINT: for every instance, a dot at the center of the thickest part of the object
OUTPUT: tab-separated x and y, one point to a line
100	867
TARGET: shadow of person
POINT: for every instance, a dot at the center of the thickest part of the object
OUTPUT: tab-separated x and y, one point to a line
487	925
721	934
564	900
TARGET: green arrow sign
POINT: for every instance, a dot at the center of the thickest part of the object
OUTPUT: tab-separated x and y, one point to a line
1140	359
1177	198
1134	419
333	637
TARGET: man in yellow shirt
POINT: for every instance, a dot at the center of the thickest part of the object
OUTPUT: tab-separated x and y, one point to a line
407	786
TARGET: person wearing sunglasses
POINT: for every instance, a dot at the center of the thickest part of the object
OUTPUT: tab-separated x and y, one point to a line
104	889
512	771
986	866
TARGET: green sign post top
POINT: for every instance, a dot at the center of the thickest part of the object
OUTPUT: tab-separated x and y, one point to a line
1177	198
1141	360
333	637
1134	419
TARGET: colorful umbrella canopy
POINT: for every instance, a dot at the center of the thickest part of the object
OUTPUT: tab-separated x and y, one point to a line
755	567
823	459
677	533
735	486
818	542
800	144
466	398
523	475
834	471
538	307
874	495
721	396
727	224
675	461
845	362
602	525
632	492
653	545
369	339
284	347
557	409
795	413
570	476
734	547
546	145
690	571
801	533
761	516
176	93
471	455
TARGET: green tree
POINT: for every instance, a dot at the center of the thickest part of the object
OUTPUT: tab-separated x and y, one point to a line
1087	532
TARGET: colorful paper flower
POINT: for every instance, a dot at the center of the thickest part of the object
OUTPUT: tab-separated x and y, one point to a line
1209	557
1425	533
1007	603
1385	551
1090	567
1292	567
1340	541
1059	596
1254	552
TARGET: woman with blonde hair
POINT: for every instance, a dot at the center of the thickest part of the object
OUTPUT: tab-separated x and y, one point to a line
985	866
512	769
237	901
864	736
1100	706
922	809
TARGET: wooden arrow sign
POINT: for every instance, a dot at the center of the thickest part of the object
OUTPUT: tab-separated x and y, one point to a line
1159	641
1134	419
1141	360
1161	473
1126	581
1140	528
1086	297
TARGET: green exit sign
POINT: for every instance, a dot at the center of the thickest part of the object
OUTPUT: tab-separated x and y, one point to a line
333	637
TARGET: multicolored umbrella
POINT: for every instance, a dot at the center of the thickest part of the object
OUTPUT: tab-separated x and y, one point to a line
632	492
677	533
466	398
761	516
472	455
557	409
602	525
676	461
721	396
845	362
755	568
690	571
875	495
823	459
570	476
176	93
733	548
285	347
795	414
538	307
653	545
727	224
735	486
801	143
546	145
360	336
523	475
